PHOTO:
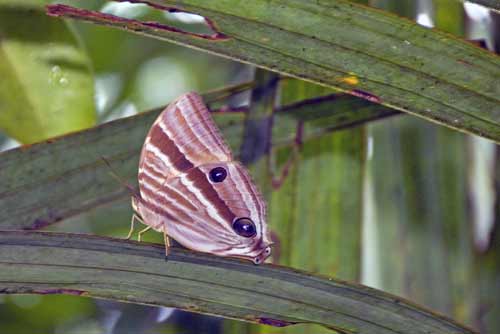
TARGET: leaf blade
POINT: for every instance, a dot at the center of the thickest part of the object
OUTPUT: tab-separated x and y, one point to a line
129	271
74	166
376	55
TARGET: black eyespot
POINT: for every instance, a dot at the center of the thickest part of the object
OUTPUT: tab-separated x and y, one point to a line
244	227
217	174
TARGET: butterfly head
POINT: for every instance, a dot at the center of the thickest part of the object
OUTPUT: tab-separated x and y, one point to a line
245	228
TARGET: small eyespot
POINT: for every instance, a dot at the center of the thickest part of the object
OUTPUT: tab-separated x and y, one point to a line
267	251
217	174
256	260
244	227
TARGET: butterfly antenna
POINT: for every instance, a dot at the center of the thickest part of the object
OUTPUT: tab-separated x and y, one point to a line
115	175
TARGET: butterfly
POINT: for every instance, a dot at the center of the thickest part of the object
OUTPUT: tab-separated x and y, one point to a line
192	190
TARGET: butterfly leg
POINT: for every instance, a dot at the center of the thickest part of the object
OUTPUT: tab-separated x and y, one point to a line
167	241
141	232
134	218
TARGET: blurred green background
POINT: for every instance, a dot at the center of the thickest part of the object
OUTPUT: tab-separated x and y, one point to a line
401	205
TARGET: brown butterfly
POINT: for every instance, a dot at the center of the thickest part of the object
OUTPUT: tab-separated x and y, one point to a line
192	190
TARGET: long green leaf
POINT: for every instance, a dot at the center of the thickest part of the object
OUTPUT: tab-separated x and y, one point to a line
47	182
419	205
317	209
47	263
346	46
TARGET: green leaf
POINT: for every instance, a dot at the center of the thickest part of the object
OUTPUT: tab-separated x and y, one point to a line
319	202
421	210
420	213
46	88
62	177
346	46
52	263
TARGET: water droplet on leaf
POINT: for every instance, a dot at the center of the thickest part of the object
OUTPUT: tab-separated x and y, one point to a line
63	81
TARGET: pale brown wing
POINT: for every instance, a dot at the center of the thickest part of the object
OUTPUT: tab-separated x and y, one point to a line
181	149
183	136
199	213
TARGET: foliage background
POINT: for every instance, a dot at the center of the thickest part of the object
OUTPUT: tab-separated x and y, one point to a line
401	204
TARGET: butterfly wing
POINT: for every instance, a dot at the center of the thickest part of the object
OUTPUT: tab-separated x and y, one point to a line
180	151
183	136
209	227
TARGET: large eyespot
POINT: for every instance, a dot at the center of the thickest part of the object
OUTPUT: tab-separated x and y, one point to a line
244	227
217	174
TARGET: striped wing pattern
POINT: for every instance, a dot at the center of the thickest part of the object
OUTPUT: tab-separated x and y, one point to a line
183	136
179	152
